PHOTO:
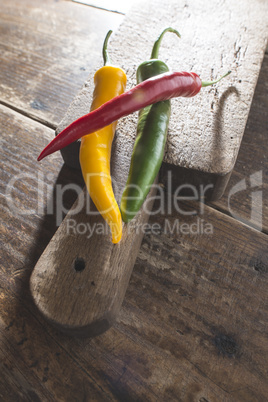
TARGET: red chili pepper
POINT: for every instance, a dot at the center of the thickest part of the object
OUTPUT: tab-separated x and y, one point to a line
159	88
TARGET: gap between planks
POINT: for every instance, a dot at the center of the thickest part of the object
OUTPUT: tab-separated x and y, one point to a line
245	223
29	115
118	6
98	7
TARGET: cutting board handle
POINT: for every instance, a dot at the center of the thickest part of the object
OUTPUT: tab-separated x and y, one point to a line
81	278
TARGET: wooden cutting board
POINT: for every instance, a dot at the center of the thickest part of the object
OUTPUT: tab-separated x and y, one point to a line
81	278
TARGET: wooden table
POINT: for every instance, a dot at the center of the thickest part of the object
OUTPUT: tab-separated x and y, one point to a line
193	326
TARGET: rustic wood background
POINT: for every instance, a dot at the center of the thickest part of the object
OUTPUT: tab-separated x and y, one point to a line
193	326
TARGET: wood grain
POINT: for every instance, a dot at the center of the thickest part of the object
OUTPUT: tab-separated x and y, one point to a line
193	321
47	51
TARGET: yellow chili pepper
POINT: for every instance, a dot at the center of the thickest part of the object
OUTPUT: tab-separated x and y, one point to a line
95	150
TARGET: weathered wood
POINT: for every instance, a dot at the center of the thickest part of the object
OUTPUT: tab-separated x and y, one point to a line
207	283
205	131
250	202
29	190
47	51
193	321
80	280
35	366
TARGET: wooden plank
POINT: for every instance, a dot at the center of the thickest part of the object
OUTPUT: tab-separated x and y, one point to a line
28	189
193	323
204	285
47	51
206	131
35	365
250	203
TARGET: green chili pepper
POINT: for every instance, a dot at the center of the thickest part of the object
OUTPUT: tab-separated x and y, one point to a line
150	141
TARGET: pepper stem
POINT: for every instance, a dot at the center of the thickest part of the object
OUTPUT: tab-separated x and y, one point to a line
155	51
105	54
207	83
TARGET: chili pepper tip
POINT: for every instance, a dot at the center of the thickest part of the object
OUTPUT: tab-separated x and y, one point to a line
45	153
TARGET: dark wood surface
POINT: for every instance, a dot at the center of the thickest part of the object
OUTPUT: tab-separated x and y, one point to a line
48	49
193	326
252	159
